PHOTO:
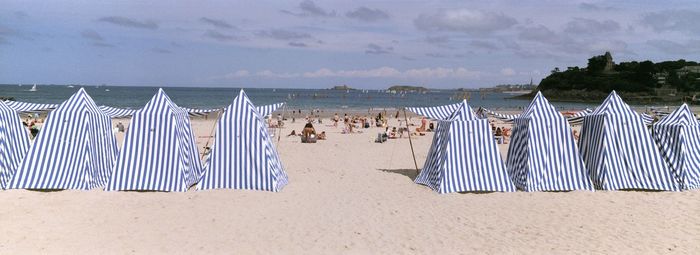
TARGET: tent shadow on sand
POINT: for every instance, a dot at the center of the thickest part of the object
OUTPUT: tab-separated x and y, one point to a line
410	173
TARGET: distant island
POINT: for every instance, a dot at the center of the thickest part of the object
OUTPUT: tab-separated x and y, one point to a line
342	87
644	81
407	88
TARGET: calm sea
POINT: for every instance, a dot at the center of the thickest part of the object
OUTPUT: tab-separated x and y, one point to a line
136	97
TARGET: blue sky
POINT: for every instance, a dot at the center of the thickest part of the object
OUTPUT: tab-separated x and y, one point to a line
318	44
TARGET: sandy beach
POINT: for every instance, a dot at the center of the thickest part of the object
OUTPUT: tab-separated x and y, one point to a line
348	195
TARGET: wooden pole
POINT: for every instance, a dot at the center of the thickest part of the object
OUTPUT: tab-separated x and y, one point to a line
410	141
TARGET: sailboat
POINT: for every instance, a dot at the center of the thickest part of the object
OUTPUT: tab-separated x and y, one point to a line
33	88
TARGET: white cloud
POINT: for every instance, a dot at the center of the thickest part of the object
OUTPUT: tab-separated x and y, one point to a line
381	72
464	20
508	71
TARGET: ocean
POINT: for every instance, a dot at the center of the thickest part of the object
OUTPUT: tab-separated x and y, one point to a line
305	99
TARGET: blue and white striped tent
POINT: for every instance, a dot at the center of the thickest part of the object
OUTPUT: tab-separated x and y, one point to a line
266	110
74	150
117	112
436	112
464	155
678	137
159	151
243	155
619	151
14	143
542	155
199	112
30	107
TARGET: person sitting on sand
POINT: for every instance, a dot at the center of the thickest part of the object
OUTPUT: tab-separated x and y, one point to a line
293	133
322	135
431	127
422	127
335	120
308	135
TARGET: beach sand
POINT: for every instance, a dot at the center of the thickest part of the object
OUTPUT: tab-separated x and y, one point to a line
348	195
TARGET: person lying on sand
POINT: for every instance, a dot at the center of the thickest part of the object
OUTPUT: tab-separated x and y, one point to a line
293	133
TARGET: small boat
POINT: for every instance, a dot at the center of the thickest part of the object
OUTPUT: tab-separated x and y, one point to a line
33	88
70	86
106	89
20	84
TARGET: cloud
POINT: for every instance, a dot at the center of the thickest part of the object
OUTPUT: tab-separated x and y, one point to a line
161	50
21	15
594	7
673	20
378	50
407	58
590	26
216	35
464	20
381	72
437	39
670	47
367	15
483	44
127	22
216	23
284	35
508	71
297	44
310	9
92	35
103	45
538	33
436	55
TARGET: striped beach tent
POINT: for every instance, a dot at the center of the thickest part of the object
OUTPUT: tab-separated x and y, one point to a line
30	107
464	155
117	112
159	151
436	112
577	117
508	118
74	150
619	151
243	155
266	110
678	137
199	112
14	143
542	155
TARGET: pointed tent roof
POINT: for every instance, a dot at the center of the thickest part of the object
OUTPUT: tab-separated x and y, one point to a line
266	110
613	104
30	107
681	116
678	137
464	156
243	155
542	155
159	151
458	111
74	150
619	151
14	143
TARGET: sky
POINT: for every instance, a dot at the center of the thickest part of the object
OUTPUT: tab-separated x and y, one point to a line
319	44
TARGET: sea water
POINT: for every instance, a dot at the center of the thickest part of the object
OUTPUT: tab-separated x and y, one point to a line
305	99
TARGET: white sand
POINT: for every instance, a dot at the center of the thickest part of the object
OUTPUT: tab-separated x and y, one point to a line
348	195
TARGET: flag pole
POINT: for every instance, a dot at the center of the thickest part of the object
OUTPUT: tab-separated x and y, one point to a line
410	141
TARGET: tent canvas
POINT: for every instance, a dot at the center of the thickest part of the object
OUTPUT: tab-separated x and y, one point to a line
464	155
14	143
159	151
619	151
678	137
542	155
243	155
74	150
